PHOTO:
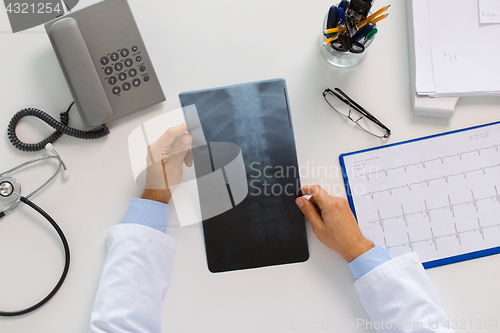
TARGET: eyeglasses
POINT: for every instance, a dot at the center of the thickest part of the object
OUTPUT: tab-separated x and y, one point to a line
355	113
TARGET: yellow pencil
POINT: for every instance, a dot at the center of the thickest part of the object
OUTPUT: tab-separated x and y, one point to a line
378	19
332	30
329	40
371	17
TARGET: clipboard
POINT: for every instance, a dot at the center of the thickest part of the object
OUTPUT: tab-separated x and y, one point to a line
455	179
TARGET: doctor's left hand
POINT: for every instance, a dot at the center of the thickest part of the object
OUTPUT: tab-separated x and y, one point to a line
165	159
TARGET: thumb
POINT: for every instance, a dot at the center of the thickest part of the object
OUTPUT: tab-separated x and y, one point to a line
182	147
161	147
311	213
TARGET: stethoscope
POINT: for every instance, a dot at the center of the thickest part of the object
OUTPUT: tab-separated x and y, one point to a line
10	193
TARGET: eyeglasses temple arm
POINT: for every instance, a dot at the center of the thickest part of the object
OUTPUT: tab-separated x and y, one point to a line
361	110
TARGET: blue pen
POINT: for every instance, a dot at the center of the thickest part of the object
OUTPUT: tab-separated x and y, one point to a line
361	33
333	18
341	12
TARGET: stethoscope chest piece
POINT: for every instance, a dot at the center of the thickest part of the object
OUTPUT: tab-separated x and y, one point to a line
9	186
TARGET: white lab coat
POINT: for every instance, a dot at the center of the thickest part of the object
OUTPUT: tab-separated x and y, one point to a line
399	292
139	263
134	279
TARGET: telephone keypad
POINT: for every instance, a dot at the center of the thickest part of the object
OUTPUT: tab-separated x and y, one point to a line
129	67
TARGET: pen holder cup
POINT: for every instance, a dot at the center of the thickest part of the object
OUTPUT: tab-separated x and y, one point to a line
337	58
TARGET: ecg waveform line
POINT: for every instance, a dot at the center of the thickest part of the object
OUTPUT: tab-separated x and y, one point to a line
433	239
428	181
428	210
441	158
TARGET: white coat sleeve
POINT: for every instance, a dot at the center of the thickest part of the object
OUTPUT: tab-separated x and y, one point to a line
134	279
398	297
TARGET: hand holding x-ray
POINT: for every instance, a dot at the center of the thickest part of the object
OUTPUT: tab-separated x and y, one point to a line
164	159
333	222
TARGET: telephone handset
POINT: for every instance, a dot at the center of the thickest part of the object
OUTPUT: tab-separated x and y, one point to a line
105	62
81	74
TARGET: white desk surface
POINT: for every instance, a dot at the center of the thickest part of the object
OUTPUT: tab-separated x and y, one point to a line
200	44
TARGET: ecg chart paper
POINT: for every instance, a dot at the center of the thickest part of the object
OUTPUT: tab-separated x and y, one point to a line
437	196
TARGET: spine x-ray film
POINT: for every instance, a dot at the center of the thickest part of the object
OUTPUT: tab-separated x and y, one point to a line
244	134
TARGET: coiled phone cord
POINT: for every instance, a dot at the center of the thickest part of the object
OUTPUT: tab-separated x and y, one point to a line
60	129
66	263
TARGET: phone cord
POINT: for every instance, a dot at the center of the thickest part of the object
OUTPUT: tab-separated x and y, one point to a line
66	262
60	129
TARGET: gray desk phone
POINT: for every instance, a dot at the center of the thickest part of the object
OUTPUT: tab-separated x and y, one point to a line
105	62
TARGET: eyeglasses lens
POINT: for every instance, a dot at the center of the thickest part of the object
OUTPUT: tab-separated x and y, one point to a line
354	116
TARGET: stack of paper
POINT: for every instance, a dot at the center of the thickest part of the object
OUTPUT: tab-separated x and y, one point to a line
457	46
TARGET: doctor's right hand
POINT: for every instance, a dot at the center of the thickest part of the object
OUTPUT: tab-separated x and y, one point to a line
333	222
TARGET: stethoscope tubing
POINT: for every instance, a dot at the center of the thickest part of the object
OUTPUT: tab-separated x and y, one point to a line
26	200
66	263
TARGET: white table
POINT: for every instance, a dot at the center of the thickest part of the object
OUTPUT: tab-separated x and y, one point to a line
194	45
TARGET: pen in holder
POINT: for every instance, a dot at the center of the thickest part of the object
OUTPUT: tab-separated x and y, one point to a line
345	36
338	58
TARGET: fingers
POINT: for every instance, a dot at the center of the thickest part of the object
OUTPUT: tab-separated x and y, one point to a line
311	212
179	153
313	201
188	160
319	196
161	148
167	138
